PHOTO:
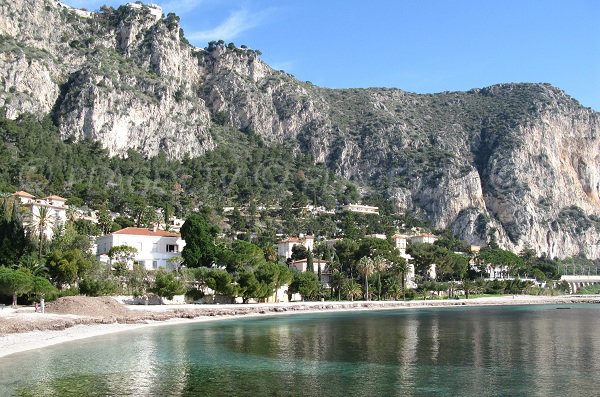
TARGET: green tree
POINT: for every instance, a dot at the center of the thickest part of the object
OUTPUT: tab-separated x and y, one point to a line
221	282
42	288
306	284
346	252
40	221
379	265
398	268
66	267
200	236
242	254
365	267
500	257
166	285
14	283
251	287
120	258
273	275
299	252
91	286
105	221
138	280
352	290
309	263
14	244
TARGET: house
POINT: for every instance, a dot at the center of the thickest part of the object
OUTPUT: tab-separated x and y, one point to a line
497	272
284	247
361	209
154	246
54	206
301	266
426	238
175	224
400	241
154	9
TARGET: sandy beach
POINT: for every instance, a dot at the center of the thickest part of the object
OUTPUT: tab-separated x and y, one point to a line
23	329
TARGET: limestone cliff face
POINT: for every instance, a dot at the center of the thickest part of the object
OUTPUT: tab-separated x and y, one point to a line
515	163
122	77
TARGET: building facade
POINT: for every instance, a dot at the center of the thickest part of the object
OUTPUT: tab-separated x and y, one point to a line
52	208
154	246
361	209
285	247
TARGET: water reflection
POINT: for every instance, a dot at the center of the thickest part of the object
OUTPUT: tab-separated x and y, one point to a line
469	351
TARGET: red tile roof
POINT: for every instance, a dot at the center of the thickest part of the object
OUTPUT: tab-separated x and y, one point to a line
21	193
53	197
141	231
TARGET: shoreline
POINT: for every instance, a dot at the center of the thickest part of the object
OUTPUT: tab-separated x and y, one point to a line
65	328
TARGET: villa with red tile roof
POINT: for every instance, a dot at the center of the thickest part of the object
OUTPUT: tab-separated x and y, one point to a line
55	205
154	246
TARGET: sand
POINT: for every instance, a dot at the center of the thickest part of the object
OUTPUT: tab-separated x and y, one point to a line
83	317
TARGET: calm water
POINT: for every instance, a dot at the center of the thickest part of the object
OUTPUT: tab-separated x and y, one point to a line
524	350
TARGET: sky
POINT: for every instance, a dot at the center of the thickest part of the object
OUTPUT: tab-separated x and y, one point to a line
421	46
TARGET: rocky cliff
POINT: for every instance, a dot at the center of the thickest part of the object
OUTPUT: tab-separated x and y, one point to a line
514	163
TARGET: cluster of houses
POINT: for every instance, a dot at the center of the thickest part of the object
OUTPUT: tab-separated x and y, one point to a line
285	248
155	247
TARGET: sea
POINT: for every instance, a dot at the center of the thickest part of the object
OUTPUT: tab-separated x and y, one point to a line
530	350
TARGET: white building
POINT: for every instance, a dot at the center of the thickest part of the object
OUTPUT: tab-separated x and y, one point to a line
378	236
154	247
301	266
361	209
497	272
399	241
284	247
154	9
175	224
426	238
54	205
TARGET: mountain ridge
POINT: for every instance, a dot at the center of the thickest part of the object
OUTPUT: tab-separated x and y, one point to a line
517	164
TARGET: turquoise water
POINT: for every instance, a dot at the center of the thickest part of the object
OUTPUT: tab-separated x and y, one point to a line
496	351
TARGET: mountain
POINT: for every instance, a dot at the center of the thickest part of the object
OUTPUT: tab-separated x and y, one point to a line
518	164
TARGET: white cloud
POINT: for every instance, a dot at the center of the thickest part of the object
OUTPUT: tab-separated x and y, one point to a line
237	23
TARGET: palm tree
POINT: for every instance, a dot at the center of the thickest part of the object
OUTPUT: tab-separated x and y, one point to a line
338	280
40	222
366	266
352	289
398	268
270	253
468	286
33	266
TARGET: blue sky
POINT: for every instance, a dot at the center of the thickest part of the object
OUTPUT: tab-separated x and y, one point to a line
416	45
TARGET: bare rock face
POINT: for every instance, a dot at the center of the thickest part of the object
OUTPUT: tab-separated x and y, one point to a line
518	164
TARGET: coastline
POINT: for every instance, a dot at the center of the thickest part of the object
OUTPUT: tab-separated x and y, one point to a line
61	328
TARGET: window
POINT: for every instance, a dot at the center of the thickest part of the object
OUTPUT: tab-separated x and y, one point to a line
171	248
154	264
155	247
